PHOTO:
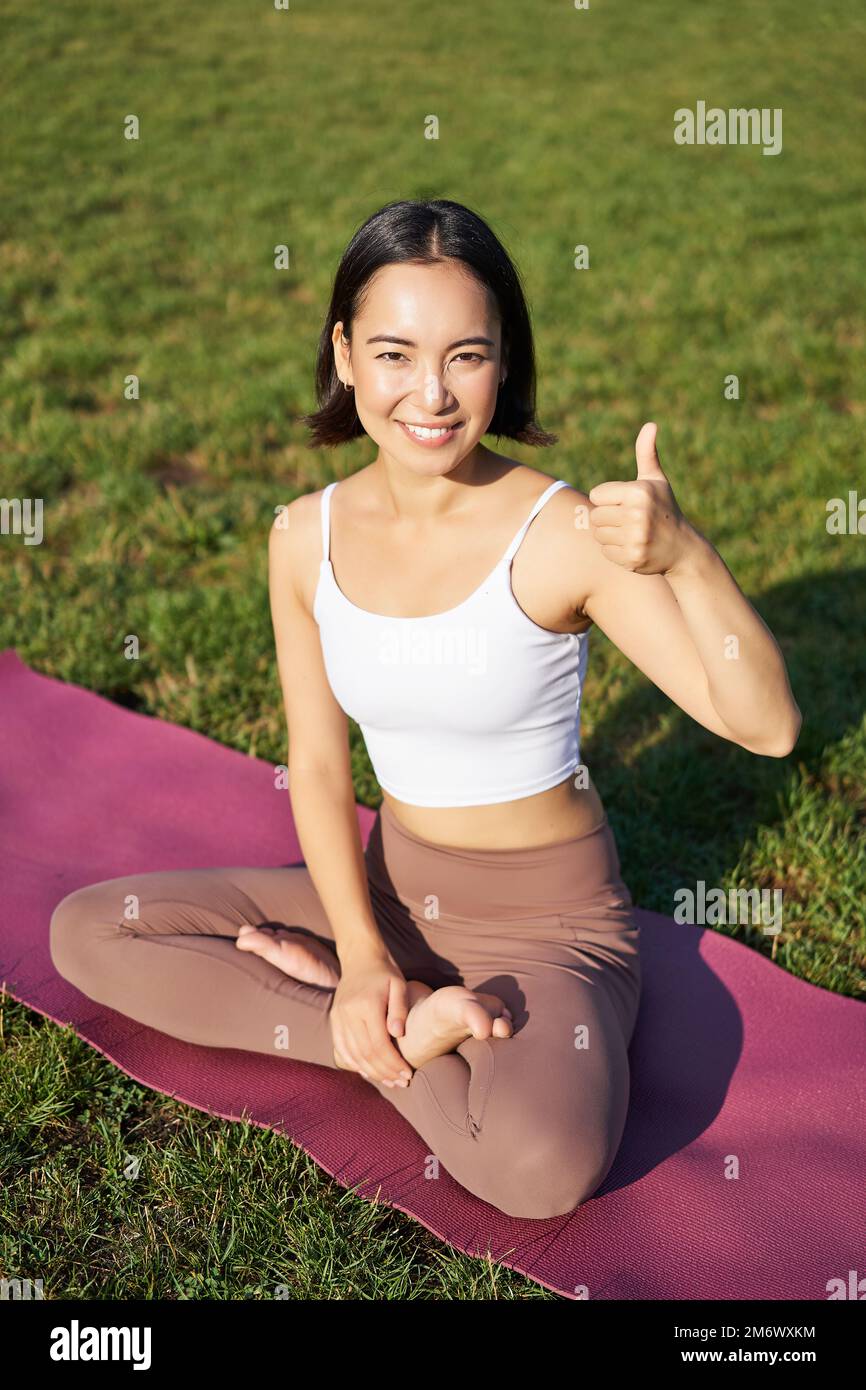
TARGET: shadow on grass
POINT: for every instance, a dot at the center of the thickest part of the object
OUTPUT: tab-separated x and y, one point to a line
707	797
684	807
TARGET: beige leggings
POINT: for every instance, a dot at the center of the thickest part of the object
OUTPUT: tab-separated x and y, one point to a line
530	1123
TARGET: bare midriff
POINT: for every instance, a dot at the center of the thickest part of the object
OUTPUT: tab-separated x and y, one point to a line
560	813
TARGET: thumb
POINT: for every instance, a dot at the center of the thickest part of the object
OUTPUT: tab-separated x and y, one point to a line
398	1008
648	465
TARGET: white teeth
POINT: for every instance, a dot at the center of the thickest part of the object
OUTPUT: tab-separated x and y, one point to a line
428	434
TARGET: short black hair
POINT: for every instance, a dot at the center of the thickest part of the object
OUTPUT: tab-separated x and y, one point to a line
429	231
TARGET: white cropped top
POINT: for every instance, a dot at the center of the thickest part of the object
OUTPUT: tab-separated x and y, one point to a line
463	708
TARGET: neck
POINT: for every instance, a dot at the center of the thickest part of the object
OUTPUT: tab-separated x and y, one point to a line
406	493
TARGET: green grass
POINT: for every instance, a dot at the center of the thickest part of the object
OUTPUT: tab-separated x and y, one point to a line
156	258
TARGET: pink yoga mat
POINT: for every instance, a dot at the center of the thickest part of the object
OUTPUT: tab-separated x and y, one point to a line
731	1055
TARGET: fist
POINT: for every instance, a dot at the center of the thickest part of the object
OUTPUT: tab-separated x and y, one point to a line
638	524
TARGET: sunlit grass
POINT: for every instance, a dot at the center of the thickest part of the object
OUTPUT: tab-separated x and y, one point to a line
155	258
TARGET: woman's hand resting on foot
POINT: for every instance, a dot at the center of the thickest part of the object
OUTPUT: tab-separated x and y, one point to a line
370	1006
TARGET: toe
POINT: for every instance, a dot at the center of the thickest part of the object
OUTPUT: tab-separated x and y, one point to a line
478	1020
246	936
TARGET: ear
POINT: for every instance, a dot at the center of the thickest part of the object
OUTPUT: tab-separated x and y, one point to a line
341	347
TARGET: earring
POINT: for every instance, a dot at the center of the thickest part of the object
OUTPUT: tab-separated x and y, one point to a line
347	387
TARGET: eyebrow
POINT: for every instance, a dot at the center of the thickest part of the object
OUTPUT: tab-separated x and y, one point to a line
406	342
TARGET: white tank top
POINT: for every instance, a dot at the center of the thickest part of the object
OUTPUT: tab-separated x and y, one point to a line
463	708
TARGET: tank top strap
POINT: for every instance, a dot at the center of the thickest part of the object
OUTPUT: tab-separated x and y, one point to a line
326	521
548	492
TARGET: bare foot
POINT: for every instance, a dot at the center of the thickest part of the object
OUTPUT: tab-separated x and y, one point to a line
437	1020
440	1019
302	957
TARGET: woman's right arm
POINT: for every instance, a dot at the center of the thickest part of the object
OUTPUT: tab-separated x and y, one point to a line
372	989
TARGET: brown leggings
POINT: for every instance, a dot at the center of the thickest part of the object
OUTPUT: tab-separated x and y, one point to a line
529	1123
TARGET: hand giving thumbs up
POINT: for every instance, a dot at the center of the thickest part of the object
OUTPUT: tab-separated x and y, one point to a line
638	524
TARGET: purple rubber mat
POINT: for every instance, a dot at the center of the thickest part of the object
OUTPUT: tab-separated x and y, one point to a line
737	1066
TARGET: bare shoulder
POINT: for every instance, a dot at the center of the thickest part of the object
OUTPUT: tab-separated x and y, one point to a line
566	510
295	546
560	540
532	482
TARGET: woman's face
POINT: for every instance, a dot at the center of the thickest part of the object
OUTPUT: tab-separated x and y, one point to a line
425	351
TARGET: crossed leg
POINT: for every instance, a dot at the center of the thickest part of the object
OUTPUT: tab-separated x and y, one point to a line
530	1123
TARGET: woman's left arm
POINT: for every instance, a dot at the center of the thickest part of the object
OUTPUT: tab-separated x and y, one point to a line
640	530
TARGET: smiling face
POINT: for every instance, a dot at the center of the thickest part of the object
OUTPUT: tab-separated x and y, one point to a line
426	351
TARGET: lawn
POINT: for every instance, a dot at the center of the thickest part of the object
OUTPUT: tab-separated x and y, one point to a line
155	257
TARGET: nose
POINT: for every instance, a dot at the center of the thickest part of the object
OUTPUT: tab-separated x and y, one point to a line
435	394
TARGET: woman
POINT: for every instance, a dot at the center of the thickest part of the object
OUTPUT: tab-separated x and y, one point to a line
479	962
